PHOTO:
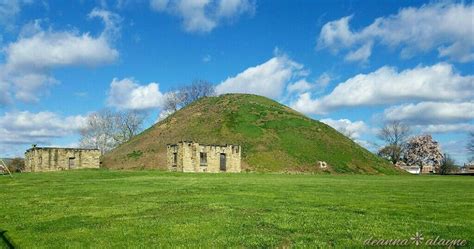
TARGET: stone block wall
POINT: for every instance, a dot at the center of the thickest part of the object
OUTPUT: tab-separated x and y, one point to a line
40	159
185	156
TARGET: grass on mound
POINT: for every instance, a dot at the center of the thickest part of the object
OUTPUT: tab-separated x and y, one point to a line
274	138
110	209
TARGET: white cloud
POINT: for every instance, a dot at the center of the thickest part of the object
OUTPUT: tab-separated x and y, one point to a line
361	54
4	96
231	8
111	21
26	85
193	14
323	80
48	49
445	128
302	85
299	86
306	104
353	130
446	27
27	128
128	94
431	112
336	35
9	10
387	86
204	15
30	60
268	79
159	5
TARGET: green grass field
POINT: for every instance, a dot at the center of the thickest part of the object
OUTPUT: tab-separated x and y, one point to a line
105	209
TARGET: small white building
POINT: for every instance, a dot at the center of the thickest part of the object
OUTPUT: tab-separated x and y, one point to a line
411	169
468	168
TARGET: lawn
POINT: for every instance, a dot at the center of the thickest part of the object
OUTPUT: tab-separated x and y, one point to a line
100	208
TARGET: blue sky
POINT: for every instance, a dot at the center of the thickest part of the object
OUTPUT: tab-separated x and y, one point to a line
351	64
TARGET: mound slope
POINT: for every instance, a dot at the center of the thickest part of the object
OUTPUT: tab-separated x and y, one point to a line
273	137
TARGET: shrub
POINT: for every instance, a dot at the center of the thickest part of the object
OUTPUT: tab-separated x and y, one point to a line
447	165
135	154
16	165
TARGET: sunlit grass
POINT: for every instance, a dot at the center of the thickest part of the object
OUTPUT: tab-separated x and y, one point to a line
99	208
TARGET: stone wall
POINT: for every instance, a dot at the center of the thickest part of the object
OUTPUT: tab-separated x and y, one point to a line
186	157
40	159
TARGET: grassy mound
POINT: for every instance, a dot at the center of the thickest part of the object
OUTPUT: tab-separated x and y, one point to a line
273	137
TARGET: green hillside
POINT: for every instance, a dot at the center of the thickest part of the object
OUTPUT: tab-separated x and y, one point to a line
273	137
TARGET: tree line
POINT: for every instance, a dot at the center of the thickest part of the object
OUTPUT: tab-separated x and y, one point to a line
421	150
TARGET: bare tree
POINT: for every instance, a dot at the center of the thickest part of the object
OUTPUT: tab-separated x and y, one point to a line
128	125
186	95
173	101
447	165
423	150
98	131
198	89
391	152
395	135
107	129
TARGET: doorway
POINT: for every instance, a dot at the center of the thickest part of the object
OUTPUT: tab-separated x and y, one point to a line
223	162
71	163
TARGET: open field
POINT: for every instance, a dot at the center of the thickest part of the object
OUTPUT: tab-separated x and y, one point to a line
100	208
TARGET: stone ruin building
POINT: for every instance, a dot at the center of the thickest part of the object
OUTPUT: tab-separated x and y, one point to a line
40	159
188	156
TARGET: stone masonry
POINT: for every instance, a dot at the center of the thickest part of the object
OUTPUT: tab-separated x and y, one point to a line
40	159
188	156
